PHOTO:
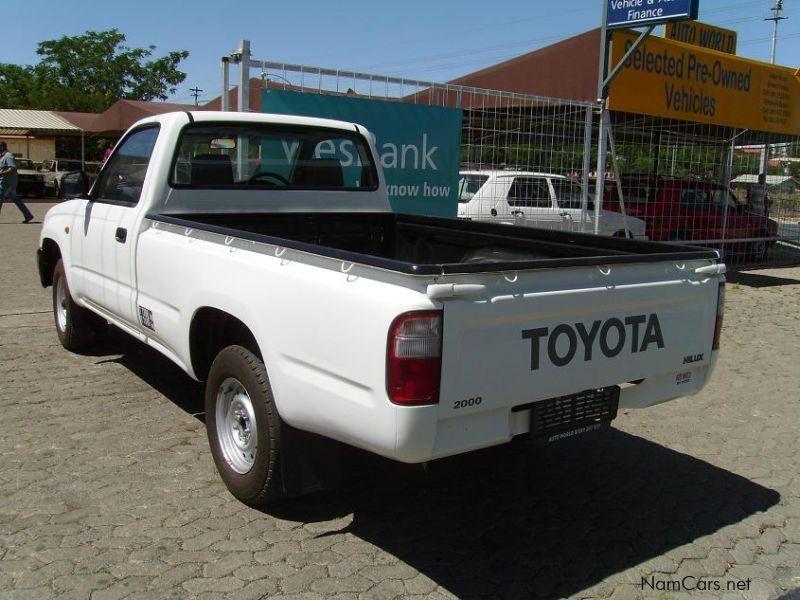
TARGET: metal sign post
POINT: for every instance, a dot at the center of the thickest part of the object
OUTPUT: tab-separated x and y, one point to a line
618	14
242	57
601	98
225	101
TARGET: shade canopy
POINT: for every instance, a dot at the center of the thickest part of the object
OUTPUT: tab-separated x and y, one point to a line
35	122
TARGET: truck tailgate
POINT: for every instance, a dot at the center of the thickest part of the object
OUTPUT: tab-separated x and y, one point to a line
539	335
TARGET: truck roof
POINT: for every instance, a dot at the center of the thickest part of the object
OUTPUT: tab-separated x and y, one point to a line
250	117
509	173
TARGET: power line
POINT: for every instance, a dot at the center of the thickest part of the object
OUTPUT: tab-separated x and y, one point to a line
481	53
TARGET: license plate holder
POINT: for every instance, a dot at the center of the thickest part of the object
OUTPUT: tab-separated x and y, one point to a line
565	417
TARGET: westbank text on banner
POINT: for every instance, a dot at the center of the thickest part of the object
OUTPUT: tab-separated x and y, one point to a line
664	78
418	146
635	13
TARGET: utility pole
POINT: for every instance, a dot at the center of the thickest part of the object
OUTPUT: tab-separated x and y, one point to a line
196	93
775	18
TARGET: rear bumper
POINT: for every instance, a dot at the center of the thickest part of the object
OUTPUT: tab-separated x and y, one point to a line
422	435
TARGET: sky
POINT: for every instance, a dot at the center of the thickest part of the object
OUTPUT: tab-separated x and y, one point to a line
419	39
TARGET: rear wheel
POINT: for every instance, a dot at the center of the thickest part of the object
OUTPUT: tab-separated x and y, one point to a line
758	249
76	326
244	429
622	234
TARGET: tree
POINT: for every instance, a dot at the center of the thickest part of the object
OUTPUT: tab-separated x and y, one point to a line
89	73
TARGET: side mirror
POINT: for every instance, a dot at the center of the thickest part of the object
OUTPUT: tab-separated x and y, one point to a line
74	184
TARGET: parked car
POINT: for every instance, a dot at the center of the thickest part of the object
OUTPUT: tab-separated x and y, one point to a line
29	181
541	200
54	169
695	210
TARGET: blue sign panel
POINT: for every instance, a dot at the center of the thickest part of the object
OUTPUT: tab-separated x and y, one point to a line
635	13
419	147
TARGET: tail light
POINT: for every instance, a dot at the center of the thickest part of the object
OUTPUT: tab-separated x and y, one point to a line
414	358
720	311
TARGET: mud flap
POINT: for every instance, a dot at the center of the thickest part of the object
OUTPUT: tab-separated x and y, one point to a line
309	462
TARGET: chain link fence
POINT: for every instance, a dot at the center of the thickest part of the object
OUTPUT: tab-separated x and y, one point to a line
529	161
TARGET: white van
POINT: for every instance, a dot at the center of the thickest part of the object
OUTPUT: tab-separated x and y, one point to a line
542	200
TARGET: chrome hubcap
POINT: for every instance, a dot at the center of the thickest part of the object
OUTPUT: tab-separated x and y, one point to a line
236	425
61	305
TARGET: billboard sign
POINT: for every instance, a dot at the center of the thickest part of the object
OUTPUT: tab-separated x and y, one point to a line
637	13
703	35
670	79
419	147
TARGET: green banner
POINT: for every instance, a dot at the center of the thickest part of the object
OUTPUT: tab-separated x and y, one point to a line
418	146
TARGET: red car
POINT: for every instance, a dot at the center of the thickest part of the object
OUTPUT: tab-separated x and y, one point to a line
685	209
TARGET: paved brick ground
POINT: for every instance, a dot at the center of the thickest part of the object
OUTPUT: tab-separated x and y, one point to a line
107	488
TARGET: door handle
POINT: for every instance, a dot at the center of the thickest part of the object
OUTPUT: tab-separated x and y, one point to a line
121	235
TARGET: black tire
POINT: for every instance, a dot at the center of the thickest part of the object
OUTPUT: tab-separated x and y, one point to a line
260	482
76	326
622	234
758	249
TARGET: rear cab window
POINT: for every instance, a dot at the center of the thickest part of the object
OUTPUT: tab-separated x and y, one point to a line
256	156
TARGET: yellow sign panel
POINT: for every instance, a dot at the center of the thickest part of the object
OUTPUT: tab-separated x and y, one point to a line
700	34
678	81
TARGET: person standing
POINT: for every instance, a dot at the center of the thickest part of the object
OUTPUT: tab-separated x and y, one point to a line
8	182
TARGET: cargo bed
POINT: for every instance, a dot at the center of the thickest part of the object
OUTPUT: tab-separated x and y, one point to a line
430	245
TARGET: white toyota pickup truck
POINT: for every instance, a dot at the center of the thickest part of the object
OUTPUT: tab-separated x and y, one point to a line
260	254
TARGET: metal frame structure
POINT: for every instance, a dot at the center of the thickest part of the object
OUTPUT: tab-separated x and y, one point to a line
533	133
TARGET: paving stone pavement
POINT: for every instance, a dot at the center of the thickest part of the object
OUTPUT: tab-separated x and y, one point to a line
108	490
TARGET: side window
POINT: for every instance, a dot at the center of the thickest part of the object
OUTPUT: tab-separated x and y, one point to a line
638	194
696	199
123	175
529	192
468	186
569	194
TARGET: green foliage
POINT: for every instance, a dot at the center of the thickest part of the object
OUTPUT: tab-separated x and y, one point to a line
89	73
566	159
